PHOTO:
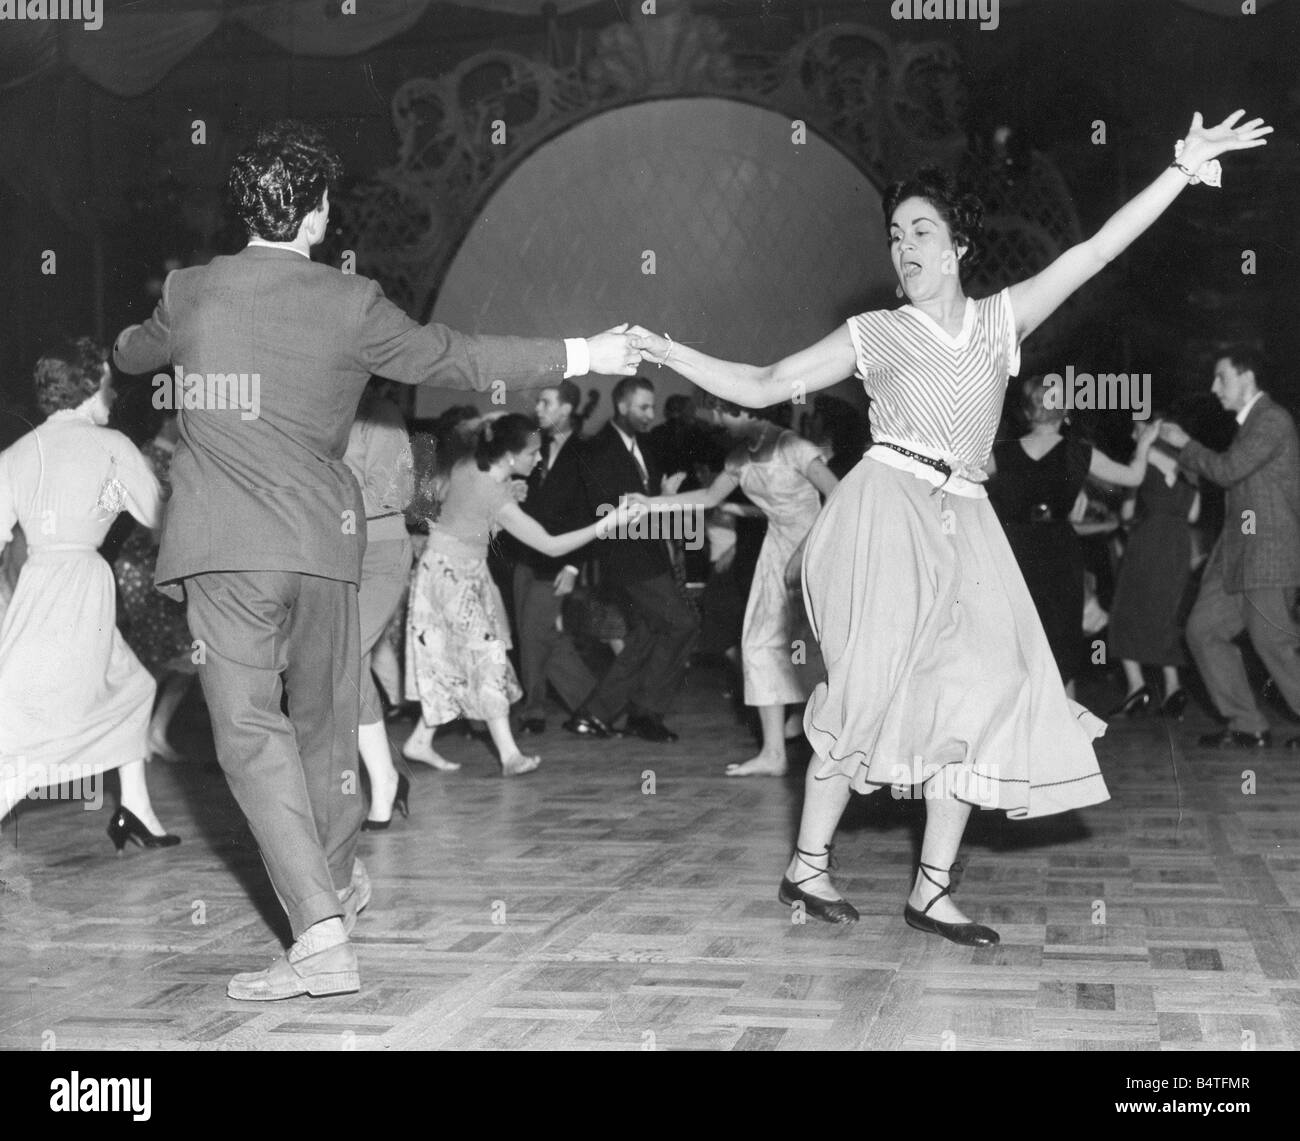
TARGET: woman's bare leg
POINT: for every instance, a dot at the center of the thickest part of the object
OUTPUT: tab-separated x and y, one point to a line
377	756
1133	676
770	760
171	692
135	796
945	823
513	762
419	748
824	802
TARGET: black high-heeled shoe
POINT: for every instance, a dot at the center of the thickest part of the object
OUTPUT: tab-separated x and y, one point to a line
401	803
1175	704
1135	704
966	934
839	911
126	825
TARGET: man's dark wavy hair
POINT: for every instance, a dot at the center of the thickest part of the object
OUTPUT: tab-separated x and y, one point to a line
68	374
279	180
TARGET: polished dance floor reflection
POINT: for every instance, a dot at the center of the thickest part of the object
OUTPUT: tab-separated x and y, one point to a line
623	897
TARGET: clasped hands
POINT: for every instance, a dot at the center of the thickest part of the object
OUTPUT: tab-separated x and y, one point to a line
619	351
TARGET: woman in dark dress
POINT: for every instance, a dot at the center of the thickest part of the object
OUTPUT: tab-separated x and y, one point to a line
1038	482
1153	577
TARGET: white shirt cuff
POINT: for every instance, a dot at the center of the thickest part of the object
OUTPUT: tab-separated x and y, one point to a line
579	362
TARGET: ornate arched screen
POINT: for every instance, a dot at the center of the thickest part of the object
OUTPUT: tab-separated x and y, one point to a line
887	108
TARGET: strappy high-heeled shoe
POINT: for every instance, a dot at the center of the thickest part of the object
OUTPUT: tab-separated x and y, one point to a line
839	911
967	934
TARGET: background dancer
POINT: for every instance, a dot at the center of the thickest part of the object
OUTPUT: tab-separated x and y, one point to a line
73	697
786	477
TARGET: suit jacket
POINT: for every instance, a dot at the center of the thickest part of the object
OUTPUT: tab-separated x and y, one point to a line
550	501
1261	472
608	472
270	491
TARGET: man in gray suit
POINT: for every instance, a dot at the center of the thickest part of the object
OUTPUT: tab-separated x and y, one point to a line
1251	579
266	527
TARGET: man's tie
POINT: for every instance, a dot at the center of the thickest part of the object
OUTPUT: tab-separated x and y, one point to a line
543	468
640	466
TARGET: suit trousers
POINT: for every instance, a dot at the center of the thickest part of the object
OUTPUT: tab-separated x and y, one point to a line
385	579
1265	614
662	631
268	634
546	653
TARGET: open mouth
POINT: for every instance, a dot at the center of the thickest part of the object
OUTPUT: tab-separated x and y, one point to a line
911	268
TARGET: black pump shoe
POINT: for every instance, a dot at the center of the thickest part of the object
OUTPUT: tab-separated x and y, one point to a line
126	825
1175	704
1136	703
838	911
401	803
966	934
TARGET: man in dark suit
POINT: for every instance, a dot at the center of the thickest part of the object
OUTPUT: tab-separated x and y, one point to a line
265	530
1251	578
546	651
663	626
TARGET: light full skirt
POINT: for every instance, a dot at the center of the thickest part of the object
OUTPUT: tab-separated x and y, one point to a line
937	663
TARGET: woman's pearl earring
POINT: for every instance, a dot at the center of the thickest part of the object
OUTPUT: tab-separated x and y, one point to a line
898	292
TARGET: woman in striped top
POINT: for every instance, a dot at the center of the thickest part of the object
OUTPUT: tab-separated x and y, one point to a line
939	675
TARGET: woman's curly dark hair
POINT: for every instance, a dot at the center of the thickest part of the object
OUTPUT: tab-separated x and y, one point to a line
69	374
963	214
279	180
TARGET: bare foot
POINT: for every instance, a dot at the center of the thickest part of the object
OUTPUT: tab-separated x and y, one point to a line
517	764
423	753
763	765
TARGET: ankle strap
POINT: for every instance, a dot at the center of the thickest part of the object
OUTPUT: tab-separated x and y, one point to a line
954	878
800	855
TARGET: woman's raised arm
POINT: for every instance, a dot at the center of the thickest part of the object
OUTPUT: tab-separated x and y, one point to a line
1038	297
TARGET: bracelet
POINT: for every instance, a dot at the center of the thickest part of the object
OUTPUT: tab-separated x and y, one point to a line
1210	173
669	353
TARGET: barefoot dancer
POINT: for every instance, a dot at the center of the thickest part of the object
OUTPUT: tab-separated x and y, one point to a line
458	632
783	474
939	672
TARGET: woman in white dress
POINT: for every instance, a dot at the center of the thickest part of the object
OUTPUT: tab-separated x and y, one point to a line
74	700
939	675
786	477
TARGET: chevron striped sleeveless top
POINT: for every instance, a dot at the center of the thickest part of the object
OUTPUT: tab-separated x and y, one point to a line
933	393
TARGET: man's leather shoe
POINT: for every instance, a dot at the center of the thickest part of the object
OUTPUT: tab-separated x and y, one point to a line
321	962
356	896
585	725
1231	739
649	727
532	725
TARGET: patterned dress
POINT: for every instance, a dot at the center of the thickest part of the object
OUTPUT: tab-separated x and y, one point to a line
937	664
779	658
153	624
458	638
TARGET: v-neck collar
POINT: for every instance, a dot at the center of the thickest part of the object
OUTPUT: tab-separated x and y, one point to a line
961	340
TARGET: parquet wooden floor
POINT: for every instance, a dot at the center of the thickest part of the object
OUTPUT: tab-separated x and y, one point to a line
624	897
